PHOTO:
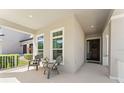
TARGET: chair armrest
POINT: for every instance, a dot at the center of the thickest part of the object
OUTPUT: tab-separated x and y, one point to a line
52	61
32	61
49	65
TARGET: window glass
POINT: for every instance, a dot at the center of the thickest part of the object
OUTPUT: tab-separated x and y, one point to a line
40	38
40	45
56	53
59	33
40	52
57	43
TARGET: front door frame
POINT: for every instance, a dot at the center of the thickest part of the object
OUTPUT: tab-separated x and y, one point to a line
92	38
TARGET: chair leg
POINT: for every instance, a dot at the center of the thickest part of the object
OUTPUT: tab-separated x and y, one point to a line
57	71
44	72
48	75
28	67
36	67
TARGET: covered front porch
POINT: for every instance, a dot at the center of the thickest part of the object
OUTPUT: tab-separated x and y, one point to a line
65	34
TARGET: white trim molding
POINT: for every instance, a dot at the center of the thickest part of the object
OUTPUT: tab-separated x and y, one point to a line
117	16
95	37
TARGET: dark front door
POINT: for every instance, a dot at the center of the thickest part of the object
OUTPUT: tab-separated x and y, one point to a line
93	49
24	49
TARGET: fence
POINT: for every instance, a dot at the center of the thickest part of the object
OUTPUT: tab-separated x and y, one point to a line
9	61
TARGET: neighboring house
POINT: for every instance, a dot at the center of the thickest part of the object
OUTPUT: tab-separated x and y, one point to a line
10	42
27	45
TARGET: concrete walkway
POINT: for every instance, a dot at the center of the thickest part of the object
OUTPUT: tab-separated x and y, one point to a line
89	73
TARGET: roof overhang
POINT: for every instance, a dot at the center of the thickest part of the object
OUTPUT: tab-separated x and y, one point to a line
16	27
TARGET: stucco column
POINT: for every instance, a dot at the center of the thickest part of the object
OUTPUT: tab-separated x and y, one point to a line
27	48
34	46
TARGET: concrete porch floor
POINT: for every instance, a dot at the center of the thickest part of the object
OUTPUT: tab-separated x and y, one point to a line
89	73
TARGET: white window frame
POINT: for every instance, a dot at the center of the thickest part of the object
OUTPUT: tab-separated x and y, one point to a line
51	43
37	42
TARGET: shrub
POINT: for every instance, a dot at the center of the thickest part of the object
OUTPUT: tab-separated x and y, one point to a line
28	56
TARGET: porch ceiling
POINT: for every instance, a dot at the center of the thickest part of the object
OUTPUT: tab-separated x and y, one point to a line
91	20
14	26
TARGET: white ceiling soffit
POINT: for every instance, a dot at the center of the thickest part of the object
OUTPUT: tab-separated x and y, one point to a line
91	20
13	26
34	19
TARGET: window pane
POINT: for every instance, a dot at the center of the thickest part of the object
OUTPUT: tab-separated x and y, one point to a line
56	53
57	43
40	44
59	33
54	34
40	38
40	52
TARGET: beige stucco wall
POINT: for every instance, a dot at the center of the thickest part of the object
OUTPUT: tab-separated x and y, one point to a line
73	42
105	49
79	45
117	45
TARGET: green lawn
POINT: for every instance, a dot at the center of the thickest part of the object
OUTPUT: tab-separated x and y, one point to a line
22	63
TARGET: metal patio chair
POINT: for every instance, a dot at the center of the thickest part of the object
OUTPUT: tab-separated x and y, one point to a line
52	66
35	62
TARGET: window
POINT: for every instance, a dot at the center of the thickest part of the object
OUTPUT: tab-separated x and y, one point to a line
57	44
40	42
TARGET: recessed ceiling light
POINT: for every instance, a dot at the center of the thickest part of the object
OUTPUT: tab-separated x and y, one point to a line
92	26
30	16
